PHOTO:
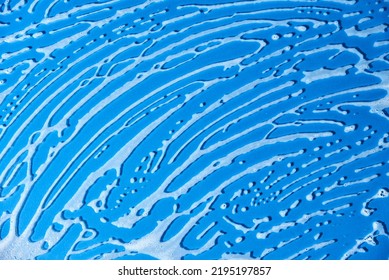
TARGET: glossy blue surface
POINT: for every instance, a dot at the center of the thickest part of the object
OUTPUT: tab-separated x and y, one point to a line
194	129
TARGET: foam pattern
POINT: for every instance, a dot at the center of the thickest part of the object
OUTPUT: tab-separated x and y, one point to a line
194	129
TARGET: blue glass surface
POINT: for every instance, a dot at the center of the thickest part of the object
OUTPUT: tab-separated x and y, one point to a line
194	129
